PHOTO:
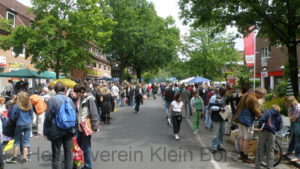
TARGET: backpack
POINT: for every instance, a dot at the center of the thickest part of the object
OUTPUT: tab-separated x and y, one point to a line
66	115
39	105
274	123
169	95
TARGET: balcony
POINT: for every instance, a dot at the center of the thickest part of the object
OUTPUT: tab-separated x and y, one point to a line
264	61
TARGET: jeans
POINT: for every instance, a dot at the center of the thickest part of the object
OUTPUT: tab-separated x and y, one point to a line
294	145
208	121
22	134
217	141
176	121
67	143
265	145
167	106
131	101
1	157
85	144
186	108
122	100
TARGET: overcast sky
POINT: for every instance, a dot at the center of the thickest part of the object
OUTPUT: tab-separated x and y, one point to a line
166	8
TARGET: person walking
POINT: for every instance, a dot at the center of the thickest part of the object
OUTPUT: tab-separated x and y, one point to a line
22	114
216	106
55	132
208	122
186	95
169	97
176	115
138	92
107	105
248	101
197	106
294	115
87	114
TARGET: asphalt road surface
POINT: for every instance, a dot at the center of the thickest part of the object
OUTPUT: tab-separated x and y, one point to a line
144	141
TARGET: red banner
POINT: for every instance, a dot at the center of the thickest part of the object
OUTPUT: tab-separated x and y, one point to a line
249	48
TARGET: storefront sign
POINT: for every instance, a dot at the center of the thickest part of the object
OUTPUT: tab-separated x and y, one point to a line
93	72
16	65
264	74
2	61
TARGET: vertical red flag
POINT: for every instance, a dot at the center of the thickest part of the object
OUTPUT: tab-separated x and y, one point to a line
249	48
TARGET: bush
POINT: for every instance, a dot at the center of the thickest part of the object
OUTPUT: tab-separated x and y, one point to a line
280	89
280	102
269	97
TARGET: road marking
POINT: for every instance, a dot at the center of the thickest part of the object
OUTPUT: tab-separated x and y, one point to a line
213	162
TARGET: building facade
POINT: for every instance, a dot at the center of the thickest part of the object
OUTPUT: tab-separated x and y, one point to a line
16	12
270	61
100	67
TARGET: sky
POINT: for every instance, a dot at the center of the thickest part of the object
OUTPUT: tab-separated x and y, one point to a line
167	8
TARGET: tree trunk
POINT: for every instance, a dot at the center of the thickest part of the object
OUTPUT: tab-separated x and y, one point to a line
293	66
139	75
57	67
122	72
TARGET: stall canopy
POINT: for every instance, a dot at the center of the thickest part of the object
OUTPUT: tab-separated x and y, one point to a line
198	79
28	73
105	78
50	75
23	73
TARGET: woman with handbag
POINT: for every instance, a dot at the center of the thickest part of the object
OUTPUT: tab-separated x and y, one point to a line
294	115
176	115
197	106
88	121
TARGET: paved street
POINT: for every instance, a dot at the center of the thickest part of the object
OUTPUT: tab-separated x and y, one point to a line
144	141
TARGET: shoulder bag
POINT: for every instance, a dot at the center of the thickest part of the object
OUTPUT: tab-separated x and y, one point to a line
246	117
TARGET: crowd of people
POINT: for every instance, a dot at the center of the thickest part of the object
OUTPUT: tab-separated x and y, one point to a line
60	113
197	100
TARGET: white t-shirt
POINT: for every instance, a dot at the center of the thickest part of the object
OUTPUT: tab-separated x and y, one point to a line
177	106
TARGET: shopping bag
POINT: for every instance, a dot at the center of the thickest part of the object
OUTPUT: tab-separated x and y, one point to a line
78	157
86	127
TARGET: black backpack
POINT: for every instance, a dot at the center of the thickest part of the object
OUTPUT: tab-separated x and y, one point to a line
169	96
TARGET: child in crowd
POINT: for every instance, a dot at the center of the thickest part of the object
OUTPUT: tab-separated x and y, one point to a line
270	123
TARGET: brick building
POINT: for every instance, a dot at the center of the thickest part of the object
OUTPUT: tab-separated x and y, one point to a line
101	67
16	12
270	61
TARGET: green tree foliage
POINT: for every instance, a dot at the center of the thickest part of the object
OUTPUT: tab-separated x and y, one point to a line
60	35
277	20
141	39
208	53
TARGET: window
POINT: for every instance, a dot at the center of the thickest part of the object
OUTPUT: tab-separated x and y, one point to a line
266	52
100	66
11	16
104	67
95	65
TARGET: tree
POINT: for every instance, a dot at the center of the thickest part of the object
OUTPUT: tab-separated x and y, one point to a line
208	53
277	20
60	36
141	39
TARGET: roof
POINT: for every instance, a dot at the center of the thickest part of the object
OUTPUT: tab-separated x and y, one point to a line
17	7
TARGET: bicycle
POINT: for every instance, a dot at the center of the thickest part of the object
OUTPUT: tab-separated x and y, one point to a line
278	155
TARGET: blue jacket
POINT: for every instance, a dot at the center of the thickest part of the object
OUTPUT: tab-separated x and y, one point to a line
50	128
21	117
275	124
